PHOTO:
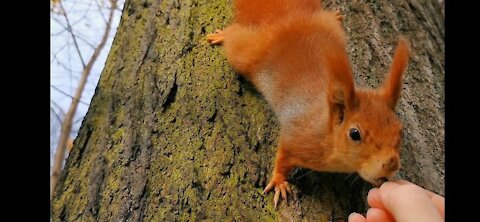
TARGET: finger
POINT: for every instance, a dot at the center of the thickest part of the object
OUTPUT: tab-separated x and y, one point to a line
437	200
402	200
378	215
374	200
439	203
404	182
356	217
388	186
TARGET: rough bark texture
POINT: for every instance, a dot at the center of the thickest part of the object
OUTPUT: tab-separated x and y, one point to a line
173	134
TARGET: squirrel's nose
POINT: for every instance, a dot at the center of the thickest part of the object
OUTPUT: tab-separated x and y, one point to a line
392	164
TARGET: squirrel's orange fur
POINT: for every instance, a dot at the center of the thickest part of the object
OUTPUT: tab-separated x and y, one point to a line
294	52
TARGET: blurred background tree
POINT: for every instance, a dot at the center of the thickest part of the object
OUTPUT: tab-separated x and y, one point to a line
81	36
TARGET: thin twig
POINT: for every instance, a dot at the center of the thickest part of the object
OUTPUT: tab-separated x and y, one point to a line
65	27
78	120
101	11
56	115
58	107
63	65
58	51
86	41
69	28
64	93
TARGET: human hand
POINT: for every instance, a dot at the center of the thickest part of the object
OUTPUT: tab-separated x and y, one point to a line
402	201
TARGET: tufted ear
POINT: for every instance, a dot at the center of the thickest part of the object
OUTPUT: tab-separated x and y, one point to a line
393	83
342	100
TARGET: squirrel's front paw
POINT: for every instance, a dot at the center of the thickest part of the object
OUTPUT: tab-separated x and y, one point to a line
216	38
338	16
281	187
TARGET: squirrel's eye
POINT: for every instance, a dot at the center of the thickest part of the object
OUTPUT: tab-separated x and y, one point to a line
355	134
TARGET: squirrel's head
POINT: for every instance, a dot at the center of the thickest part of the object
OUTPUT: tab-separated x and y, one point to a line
366	127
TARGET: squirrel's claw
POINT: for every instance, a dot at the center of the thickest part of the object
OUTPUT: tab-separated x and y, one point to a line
276	197
280	189
216	38
338	16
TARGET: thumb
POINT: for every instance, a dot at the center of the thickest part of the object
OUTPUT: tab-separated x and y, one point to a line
408	203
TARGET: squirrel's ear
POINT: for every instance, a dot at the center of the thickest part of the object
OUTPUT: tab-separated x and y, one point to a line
341	101
393	84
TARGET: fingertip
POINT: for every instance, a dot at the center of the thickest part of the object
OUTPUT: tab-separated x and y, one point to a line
374	199
401	200
386	189
388	184
378	215
372	190
356	217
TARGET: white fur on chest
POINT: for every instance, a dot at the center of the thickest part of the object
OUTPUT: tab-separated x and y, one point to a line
288	103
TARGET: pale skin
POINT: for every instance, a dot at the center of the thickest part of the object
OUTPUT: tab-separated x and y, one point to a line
402	201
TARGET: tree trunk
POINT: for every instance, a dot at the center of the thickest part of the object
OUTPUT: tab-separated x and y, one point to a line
173	134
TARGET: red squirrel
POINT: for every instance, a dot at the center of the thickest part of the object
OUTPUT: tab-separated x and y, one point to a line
294	52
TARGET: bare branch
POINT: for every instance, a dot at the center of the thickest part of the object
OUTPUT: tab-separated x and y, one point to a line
85	41
59	50
56	115
69	28
64	66
100	11
65	27
58	33
59	108
64	93
59	23
78	120
85	12
67	122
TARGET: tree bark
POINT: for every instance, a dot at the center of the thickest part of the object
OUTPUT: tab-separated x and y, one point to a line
174	134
